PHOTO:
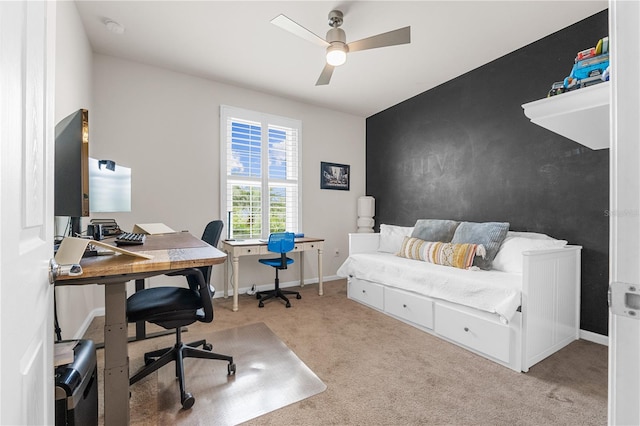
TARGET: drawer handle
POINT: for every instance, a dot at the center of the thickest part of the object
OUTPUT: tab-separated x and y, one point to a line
248	250
466	329
404	306
364	291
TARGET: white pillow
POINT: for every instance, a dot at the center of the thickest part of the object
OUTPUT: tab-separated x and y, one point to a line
509	257
392	236
532	235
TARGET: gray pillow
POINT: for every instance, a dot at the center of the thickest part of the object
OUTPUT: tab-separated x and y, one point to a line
489	234
435	230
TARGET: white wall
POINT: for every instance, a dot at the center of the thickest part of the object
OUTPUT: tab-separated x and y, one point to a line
73	92
165	126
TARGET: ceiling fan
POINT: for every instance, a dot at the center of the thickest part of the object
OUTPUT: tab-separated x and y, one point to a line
337	47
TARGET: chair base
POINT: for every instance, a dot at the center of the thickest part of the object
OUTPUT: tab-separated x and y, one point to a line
161	357
275	294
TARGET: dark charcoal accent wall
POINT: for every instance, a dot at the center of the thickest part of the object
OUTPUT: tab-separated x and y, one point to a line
465	150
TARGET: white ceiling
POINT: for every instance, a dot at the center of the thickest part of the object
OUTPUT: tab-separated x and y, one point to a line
234	42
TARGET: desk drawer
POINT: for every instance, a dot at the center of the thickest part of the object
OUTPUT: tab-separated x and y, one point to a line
316	245
248	251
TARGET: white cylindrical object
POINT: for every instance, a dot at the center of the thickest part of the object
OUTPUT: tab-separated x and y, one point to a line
366	211
366	206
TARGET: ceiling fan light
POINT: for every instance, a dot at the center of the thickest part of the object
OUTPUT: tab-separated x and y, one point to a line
336	54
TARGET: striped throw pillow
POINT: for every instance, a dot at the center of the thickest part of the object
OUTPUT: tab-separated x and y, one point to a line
412	248
446	254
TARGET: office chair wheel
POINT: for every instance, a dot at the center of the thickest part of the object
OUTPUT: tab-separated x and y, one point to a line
288	305
231	369
298	296
207	347
260	305
187	400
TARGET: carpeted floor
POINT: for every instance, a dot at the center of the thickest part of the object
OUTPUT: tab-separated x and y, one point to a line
381	371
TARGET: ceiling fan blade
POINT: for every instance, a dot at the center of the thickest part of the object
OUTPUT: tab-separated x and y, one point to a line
297	29
325	75
391	38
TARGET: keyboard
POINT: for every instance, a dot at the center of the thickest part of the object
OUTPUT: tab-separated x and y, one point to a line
130	238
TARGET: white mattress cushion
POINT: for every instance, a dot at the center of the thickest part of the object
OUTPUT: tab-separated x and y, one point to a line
491	291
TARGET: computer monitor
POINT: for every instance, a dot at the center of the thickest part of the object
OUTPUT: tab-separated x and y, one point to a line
71	173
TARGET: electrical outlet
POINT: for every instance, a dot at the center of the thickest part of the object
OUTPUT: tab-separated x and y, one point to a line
337	252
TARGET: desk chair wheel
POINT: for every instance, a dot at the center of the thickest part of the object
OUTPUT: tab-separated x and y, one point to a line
288	305
261	305
298	296
207	347
231	369
187	400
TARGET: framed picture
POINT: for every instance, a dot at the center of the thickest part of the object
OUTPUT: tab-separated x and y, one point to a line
334	176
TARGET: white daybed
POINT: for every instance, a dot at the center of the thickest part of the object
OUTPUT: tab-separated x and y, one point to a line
515	319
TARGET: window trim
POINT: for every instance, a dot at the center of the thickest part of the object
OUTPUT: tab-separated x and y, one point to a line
265	120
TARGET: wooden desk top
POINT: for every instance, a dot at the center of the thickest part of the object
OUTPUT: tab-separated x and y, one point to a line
257	242
170	252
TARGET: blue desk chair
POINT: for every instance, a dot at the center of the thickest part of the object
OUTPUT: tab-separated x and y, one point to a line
281	242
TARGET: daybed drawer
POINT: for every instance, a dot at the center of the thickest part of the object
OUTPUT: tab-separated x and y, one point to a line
484	335
411	307
366	292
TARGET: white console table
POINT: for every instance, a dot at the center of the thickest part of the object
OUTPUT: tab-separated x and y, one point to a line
237	248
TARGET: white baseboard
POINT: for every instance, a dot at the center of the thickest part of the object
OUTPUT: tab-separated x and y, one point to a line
265	287
98	312
594	337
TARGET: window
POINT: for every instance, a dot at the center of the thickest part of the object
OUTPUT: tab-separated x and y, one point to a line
260	168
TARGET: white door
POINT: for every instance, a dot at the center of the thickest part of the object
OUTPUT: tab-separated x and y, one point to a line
27	36
624	329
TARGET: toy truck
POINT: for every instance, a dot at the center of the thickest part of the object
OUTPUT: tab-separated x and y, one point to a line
588	69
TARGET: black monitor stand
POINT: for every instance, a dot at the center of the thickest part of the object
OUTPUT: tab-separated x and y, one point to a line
75	227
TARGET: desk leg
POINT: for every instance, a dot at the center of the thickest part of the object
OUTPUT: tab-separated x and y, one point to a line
320	290
234	264
116	361
301	268
141	327
226	276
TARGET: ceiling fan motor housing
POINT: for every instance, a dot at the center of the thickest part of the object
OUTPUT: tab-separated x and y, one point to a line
336	34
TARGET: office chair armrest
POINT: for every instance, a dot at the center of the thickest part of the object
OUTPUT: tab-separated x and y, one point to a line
196	280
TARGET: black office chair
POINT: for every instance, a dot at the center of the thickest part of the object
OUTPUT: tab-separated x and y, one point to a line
174	308
212	232
281	242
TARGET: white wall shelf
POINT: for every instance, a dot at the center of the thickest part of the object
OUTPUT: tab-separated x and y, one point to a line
581	115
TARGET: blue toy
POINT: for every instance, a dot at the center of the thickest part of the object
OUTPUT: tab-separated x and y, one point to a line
590	67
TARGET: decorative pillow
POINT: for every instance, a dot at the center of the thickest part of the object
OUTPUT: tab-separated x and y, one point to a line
489	234
412	248
450	254
509	257
391	237
435	229
446	254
